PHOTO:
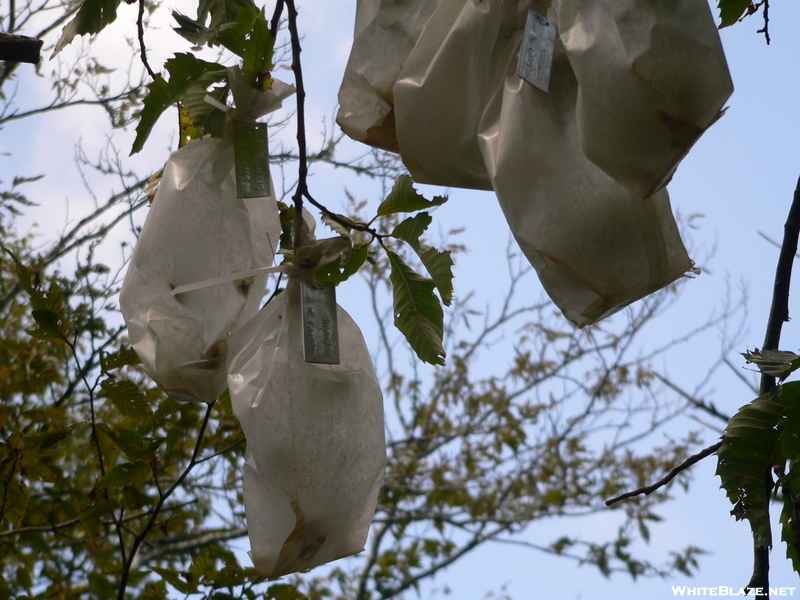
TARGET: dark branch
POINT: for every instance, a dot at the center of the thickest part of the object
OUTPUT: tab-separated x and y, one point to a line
778	315
765	29
18	48
275	22
647	490
142	47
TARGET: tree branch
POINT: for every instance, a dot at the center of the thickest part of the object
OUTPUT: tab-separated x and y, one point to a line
647	490
778	315
19	48
142	47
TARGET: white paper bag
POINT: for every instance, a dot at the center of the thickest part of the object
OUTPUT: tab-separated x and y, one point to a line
596	245
197	229
652	77
385	33
315	439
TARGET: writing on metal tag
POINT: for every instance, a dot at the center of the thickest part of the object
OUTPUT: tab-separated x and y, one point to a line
252	160
320	324
536	54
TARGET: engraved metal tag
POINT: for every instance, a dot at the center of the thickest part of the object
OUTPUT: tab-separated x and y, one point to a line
320	324
536	54
252	160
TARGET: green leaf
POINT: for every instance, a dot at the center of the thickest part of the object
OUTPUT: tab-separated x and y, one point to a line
748	449
204	117
14	498
127	397
336	226
440	267
257	54
776	363
91	18
126	475
230	21
98	509
412	228
336	273
123	357
731	11
284	591
134	446
185	72
417	311
438	263
101	587
173	578
225	403
404	198
154	591
202	568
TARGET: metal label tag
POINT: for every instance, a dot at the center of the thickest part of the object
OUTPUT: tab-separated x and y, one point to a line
320	323
536	53
252	160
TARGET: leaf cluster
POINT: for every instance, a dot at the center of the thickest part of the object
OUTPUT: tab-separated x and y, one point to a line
764	434
241	28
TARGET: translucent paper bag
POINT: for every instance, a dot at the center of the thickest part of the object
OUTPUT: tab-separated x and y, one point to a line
197	229
443	88
385	33
315	439
652	77
596	245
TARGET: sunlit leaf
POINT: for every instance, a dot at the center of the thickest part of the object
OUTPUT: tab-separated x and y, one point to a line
776	363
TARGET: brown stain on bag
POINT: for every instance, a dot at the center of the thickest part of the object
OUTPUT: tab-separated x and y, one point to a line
302	544
215	356
243	285
684	131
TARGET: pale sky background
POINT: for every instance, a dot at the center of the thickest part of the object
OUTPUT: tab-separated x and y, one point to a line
740	176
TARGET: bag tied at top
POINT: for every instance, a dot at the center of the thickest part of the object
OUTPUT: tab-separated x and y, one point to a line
198	229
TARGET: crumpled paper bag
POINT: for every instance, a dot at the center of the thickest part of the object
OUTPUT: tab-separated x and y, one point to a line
596	245
442	91
196	230
385	33
465	118
652	77
316	452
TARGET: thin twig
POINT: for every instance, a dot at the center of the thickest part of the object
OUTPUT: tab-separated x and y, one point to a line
142	47
302	168
128	565
697	403
765	29
647	490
